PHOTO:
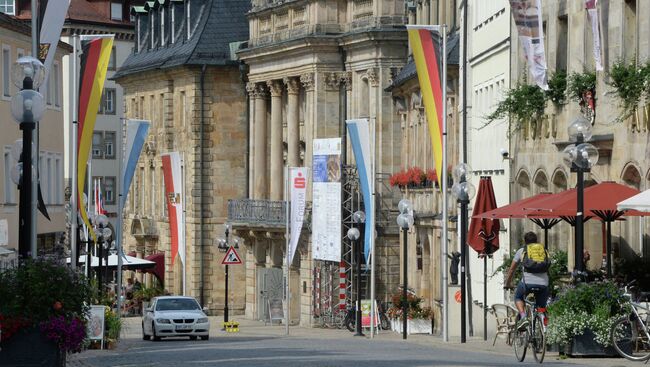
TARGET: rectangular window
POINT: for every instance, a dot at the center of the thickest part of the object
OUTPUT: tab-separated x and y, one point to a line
630	39
112	60
109	145
182	108
98	142
10	186
142	192
116	11
107	105
50	180
8	7
56	80
163	36
152	191
6	73
58	180
109	190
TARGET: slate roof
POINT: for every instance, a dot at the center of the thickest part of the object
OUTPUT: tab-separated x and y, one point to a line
221	23
408	72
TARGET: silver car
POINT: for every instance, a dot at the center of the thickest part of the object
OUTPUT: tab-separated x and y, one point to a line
173	316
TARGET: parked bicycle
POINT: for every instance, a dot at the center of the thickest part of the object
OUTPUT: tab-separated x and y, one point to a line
630	334
350	317
533	334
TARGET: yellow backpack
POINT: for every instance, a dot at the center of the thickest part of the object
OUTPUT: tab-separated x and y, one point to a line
536	259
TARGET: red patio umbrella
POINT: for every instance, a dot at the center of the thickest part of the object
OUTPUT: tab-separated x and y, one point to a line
483	234
159	269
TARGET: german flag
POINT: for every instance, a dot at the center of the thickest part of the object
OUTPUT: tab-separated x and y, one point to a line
96	52
427	54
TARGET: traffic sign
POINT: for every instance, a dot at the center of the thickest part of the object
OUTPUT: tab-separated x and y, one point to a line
231	258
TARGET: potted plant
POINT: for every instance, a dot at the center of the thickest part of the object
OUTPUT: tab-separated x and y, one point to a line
523	104
582	316
630	83
43	312
113	328
419	319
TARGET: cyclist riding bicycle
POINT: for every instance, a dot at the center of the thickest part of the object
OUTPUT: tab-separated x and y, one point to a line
535	262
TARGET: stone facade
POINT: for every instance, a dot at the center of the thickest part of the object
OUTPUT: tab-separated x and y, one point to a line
537	159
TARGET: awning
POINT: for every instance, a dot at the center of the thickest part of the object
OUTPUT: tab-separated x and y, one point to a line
128	262
483	235
158	270
639	202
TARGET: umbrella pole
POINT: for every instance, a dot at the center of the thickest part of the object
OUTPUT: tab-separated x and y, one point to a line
545	236
609	249
485	296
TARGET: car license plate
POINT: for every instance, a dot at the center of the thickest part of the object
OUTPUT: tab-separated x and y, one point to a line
183	327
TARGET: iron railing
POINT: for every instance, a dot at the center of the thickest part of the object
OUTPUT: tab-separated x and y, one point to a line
257	212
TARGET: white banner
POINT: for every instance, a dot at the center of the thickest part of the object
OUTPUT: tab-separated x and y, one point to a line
173	176
592	13
298	195
528	19
52	24
326	212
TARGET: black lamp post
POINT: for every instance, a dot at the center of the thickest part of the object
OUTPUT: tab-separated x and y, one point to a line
223	247
103	232
359	217
463	190
405	221
27	108
580	156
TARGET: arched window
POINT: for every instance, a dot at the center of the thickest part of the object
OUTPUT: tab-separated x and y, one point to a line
559	181
541	182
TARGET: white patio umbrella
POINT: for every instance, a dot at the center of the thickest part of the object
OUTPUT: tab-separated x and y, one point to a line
639	202
128	262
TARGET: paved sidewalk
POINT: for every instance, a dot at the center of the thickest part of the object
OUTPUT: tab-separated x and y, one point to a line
132	332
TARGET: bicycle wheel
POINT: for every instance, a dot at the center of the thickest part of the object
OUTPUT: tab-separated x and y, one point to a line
350	324
520	343
538	340
384	322
630	339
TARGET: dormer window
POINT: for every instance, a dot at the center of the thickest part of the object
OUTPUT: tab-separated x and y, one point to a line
116	11
178	27
163	34
8	7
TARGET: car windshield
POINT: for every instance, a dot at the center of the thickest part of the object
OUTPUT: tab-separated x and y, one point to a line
176	304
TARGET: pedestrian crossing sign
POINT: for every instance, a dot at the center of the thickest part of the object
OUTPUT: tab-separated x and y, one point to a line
231	258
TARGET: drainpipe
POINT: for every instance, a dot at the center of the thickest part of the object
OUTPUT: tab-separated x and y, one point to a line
201	163
244	79
343	111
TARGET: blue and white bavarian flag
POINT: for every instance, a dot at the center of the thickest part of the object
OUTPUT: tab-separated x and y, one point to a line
136	134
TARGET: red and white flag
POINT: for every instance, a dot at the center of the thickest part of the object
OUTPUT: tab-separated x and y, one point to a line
298	194
173	192
99	202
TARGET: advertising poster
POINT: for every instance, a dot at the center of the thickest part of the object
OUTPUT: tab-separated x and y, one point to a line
365	313
96	323
326	213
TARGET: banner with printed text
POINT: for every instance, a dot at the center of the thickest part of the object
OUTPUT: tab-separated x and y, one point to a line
326	190
592	13
298	196
527	15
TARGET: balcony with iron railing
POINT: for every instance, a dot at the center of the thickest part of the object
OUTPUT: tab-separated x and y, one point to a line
257	213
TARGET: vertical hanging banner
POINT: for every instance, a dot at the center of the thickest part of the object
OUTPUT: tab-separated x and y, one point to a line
298	196
528	19
171	163
426	43
592	13
94	64
359	131
136	134
52	24
326	190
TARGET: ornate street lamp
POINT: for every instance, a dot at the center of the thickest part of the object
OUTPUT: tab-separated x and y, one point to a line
405	221
223	246
464	191
580	156
27	108
359	218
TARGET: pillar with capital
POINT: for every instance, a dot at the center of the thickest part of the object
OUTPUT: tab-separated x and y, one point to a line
250	89
260	188
276	174
293	128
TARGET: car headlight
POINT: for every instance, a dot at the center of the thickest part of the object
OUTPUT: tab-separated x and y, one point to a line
202	320
163	321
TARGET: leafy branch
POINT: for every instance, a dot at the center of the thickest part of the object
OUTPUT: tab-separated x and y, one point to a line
630	83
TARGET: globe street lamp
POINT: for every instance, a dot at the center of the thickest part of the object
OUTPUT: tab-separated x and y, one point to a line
223	246
100	226
464	191
27	108
580	156
405	221
359	218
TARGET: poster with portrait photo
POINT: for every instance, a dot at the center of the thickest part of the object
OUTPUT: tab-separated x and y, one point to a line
96	323
326	190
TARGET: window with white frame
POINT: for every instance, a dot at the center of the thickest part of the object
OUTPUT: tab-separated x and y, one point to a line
109	190
116	11
10	187
107	105
6	73
58	180
109	145
112	60
8	7
98	142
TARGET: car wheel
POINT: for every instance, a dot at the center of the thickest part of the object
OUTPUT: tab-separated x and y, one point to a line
156	338
193	337
145	336
205	337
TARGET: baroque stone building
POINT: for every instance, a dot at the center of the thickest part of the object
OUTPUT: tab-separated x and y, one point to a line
312	64
622	145
183	76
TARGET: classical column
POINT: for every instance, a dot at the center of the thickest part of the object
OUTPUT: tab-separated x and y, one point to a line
260	190
250	89
277	164
293	130
309	84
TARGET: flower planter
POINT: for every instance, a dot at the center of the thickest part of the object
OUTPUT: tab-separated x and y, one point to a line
29	348
586	345
413	326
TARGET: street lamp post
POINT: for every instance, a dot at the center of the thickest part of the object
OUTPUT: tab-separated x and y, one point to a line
100	225
223	247
27	107
464	191
405	221
359	218
580	156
